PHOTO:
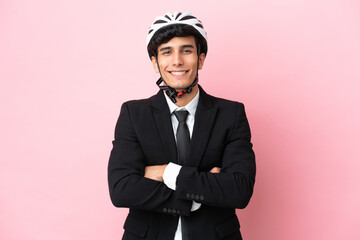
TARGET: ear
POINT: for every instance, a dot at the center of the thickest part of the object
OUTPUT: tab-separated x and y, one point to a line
201	60
155	65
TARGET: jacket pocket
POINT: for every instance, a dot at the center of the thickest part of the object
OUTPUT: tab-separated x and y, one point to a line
135	227
228	227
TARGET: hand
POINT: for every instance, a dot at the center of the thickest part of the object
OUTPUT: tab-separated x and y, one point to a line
215	170
155	172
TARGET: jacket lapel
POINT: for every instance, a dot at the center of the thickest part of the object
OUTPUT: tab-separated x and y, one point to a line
204	122
164	126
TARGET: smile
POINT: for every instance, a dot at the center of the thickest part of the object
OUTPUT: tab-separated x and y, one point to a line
178	73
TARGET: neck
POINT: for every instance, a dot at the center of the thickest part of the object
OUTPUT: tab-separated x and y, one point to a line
187	97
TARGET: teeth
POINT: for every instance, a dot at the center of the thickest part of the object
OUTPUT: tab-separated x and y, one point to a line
178	73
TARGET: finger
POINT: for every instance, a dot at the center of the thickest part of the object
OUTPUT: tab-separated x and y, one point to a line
215	170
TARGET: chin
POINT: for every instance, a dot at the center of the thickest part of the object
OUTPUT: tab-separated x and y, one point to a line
180	86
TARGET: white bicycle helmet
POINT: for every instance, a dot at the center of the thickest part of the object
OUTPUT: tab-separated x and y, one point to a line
176	18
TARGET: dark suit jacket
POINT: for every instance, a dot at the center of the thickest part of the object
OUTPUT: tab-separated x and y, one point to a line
221	138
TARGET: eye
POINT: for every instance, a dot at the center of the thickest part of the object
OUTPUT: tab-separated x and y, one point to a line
166	52
187	51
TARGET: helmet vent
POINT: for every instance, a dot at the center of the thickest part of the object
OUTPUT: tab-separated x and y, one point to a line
199	25
186	18
159	21
178	15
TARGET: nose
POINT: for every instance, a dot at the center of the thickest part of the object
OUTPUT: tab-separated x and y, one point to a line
177	59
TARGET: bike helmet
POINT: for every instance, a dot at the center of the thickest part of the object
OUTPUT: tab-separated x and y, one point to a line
176	18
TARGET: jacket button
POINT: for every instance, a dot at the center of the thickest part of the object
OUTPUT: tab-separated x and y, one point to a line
174	211
192	196
169	210
164	209
201	197
178	212
197	197
188	195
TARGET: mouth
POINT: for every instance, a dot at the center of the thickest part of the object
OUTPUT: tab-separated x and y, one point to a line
178	73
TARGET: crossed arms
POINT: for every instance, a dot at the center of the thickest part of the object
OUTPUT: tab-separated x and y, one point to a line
156	172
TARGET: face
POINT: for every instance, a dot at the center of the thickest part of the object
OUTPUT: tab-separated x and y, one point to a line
177	61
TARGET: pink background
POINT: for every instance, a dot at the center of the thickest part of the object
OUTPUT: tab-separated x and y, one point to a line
67	66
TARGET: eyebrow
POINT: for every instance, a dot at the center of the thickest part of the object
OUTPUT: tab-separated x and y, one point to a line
164	48
187	46
183	46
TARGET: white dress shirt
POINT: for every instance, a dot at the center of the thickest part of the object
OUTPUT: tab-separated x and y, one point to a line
172	170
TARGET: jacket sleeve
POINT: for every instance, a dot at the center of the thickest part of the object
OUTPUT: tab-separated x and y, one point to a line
127	185
233	186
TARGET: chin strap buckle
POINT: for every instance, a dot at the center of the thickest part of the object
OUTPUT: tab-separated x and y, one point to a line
172	93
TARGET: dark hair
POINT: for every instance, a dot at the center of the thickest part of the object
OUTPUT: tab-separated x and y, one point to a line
165	34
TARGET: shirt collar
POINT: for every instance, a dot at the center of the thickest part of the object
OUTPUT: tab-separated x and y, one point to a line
190	107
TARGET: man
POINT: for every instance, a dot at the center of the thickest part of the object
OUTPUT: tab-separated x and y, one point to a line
182	160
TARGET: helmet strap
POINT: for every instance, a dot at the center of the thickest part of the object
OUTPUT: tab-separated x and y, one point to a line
171	92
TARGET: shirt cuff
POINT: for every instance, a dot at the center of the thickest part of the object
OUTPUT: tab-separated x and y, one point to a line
170	175
195	206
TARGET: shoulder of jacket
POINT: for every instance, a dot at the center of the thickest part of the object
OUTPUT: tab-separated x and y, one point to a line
139	102
222	102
